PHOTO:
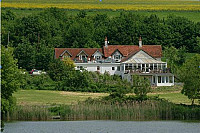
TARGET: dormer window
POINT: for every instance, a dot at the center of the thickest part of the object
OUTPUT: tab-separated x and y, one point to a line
65	54
97	57
82	56
117	57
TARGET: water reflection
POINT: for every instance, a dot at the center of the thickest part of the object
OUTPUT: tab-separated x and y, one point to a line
102	127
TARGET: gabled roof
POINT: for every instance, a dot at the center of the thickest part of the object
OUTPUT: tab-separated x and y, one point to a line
75	51
82	51
153	50
146	59
97	51
132	54
116	51
65	52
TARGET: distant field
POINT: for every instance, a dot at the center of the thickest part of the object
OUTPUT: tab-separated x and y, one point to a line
45	97
107	4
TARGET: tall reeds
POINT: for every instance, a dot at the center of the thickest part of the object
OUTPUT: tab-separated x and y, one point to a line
96	110
31	113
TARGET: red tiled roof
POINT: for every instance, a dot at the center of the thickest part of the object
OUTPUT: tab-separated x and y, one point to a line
75	51
153	50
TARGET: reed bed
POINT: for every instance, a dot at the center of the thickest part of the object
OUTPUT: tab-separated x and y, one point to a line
98	110
29	113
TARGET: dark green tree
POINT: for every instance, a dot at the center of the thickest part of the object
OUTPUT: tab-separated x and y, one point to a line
26	55
190	76
10	80
141	86
58	70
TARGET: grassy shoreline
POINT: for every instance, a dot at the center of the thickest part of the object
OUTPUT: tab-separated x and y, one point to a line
108	110
92	106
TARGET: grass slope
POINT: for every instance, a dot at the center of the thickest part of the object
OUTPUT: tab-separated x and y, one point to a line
45	97
107	4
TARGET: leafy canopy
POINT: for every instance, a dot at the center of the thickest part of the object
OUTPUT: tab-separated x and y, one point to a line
141	86
191	78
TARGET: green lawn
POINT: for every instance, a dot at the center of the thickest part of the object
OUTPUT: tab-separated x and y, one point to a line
175	97
45	97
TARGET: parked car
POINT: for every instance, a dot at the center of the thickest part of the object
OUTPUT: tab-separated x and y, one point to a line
36	72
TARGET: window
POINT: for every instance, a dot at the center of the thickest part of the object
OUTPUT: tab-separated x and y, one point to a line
155	66
159	79
97	57
113	68
80	67
98	68
82	57
154	79
66	56
159	66
117	57
163	79
143	65
134	66
167	79
139	66
151	66
171	79
118	68
122	68
126	66
130	66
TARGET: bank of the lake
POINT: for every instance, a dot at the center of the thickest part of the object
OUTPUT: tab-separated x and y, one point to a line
45	104
109	109
49	97
102	127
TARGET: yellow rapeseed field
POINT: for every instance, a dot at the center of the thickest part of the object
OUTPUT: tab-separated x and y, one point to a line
106	4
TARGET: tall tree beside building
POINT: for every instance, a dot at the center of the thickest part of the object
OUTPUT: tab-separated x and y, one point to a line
191	77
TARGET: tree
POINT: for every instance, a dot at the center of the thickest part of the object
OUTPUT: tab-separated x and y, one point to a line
141	86
57	70
190	76
175	59
25	53
10	79
68	62
43	56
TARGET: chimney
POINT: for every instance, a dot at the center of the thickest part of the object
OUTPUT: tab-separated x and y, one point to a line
140	42
106	42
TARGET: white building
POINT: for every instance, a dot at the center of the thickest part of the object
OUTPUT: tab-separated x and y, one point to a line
123	60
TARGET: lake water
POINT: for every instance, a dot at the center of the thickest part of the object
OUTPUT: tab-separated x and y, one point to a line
102	127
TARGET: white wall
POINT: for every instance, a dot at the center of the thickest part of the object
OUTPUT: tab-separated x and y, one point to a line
103	67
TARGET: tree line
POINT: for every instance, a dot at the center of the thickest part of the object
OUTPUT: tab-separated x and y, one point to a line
35	36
